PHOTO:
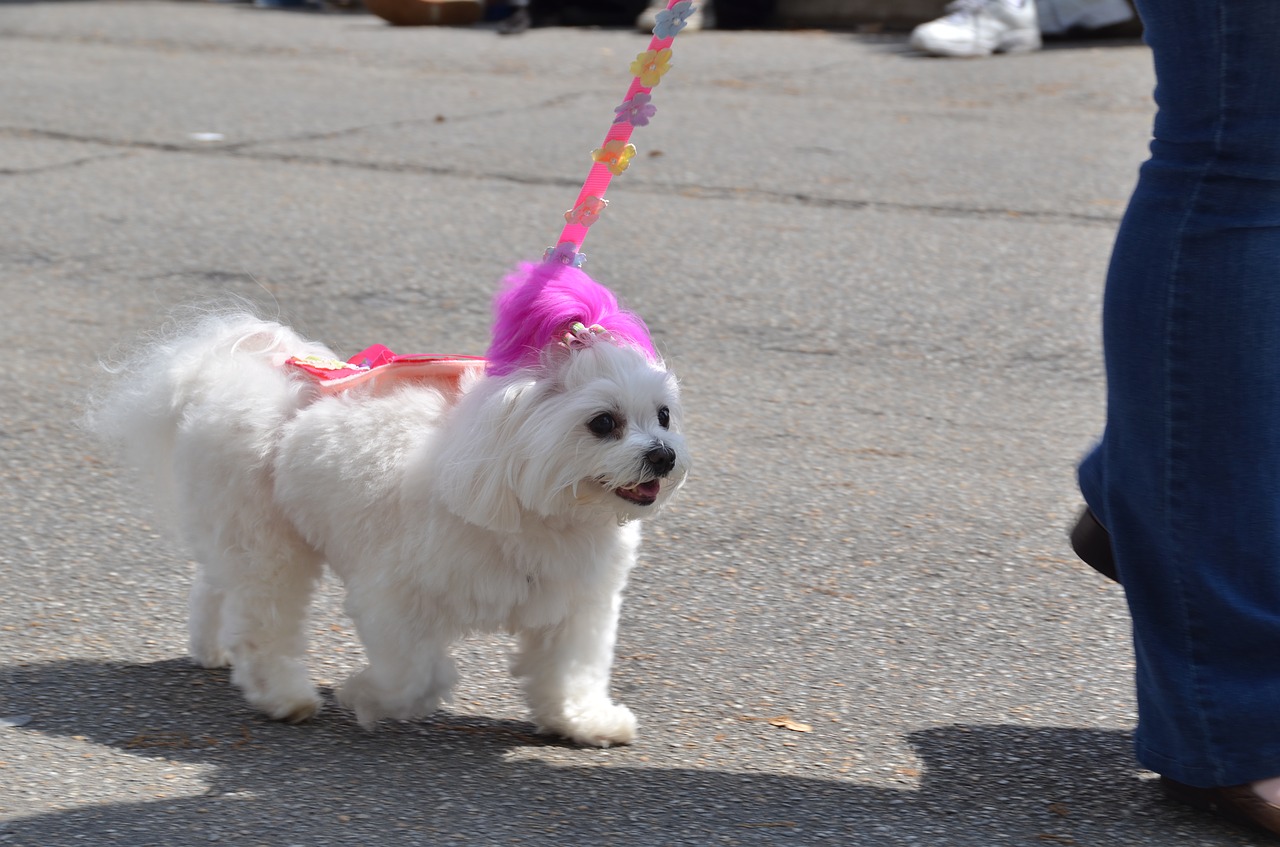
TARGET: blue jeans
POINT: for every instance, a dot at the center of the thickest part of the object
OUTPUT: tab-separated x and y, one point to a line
1187	475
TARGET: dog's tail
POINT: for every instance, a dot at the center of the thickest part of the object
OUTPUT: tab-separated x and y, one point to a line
223	366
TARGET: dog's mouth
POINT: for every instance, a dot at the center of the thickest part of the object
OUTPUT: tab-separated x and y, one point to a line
642	493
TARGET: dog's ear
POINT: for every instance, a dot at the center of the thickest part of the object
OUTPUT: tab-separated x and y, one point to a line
482	463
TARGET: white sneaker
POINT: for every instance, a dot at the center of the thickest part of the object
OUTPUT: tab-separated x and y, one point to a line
980	28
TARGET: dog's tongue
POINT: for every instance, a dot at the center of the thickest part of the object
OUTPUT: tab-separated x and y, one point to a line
644	492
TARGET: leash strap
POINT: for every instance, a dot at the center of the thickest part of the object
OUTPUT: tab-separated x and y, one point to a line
615	153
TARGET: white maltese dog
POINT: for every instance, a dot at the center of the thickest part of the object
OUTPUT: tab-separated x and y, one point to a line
450	495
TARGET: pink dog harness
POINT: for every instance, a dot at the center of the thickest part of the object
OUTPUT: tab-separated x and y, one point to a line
380	365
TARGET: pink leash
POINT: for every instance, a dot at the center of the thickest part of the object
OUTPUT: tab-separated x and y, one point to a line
612	157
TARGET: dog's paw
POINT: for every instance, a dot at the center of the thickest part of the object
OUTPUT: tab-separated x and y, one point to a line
210	657
296	711
368	713
598	724
362	695
289	706
277	686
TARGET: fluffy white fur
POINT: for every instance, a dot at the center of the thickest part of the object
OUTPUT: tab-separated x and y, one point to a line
494	509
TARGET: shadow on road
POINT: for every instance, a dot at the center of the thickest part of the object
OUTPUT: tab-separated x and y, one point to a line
468	780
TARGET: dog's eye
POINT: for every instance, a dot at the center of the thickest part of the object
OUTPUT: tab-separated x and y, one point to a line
602	424
664	417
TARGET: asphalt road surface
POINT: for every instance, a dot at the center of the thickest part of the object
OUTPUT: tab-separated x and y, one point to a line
879	278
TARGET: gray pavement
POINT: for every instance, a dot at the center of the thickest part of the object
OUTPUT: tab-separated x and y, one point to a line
879	277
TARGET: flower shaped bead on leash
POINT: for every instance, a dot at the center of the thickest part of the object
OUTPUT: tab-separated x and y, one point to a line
650	66
636	111
587	212
565	253
615	155
669	22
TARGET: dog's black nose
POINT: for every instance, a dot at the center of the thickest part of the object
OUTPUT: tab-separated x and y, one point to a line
661	459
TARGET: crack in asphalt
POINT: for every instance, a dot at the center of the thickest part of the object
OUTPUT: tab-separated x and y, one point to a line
170	45
691	191
59	166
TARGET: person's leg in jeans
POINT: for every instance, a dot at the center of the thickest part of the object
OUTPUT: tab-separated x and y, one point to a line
1187	476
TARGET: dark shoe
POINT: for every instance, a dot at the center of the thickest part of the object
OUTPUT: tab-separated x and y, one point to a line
425	12
1237	803
1092	544
516	22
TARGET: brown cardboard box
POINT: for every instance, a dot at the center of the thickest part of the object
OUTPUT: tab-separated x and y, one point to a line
427	12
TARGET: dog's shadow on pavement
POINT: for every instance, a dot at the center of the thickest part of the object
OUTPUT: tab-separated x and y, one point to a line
466	780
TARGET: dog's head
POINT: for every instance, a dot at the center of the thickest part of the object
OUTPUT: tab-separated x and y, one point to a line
577	414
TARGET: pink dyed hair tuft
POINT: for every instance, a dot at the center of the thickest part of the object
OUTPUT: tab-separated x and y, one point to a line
538	304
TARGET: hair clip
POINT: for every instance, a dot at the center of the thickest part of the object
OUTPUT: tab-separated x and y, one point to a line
580	336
